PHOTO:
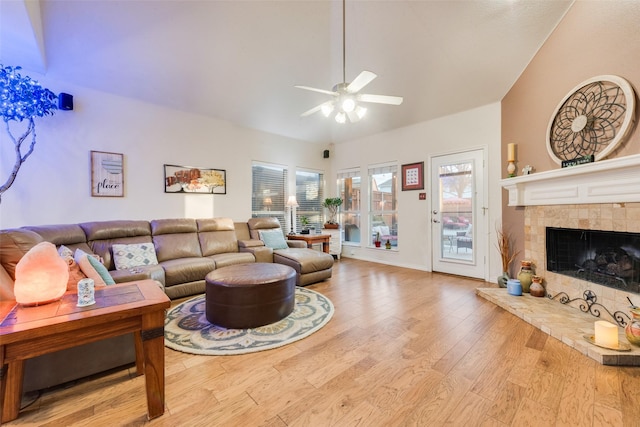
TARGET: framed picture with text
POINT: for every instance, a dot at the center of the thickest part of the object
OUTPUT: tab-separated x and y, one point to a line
107	176
413	176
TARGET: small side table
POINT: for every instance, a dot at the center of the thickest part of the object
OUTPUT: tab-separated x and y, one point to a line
313	238
133	307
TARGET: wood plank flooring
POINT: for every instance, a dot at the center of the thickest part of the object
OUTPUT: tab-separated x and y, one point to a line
404	348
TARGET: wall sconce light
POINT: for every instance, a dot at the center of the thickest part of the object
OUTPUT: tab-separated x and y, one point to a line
41	276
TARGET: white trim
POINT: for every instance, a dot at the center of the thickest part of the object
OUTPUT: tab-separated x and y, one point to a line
608	181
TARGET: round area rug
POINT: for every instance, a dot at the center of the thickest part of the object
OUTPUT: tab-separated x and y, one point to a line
187	329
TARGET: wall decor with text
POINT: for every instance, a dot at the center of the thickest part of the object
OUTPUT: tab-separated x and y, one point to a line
107	176
189	179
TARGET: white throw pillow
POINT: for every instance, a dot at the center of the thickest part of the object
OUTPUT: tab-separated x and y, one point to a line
134	255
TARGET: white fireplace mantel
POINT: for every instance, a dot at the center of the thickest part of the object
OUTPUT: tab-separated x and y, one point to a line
607	181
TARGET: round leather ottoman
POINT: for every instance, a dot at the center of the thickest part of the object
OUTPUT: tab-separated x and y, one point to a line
249	295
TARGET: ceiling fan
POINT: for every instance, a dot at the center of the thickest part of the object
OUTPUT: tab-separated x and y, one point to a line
346	96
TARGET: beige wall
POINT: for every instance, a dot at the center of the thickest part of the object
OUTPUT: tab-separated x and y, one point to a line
594	38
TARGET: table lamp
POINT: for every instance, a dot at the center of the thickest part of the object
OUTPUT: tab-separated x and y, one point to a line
292	203
41	276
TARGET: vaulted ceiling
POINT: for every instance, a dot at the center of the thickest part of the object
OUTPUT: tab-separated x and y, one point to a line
239	60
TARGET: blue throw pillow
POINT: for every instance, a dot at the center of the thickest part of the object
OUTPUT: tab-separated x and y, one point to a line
273	239
102	270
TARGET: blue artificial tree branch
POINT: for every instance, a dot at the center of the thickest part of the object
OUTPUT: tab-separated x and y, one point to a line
22	98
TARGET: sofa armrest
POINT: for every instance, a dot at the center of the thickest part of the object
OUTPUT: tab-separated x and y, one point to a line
153	272
261	253
296	244
253	243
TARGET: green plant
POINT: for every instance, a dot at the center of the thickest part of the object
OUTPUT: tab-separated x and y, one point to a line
304	221
332	204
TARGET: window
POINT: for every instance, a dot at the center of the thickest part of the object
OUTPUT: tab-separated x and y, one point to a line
349	187
309	194
269	192
383	205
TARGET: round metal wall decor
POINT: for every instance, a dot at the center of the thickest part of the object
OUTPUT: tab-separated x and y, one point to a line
593	119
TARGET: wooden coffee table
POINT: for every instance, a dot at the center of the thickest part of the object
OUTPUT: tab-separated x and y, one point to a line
313	238
27	332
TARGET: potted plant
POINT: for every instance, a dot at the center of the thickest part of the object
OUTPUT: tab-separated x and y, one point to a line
377	241
332	204
507	254
305	223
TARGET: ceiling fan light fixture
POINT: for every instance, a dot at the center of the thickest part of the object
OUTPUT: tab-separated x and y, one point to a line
348	104
327	109
361	111
341	117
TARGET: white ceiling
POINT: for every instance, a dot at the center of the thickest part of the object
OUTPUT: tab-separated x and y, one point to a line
239	60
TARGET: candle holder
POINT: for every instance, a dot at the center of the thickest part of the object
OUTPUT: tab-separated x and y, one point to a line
511	169
620	347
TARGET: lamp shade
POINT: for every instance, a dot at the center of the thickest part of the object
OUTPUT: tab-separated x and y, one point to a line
292	202
41	276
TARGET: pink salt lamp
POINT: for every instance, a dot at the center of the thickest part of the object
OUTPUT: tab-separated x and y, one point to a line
41	276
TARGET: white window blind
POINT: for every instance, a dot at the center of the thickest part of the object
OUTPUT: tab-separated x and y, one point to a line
269	191
349	187
310	195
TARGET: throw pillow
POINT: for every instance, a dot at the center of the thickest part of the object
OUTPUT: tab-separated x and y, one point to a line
65	252
102	270
273	239
75	274
82	259
134	255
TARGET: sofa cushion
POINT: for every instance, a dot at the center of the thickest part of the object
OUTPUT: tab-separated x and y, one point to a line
102	235
303	260
184	270
217	236
232	258
273	239
175	238
13	245
133	255
257	224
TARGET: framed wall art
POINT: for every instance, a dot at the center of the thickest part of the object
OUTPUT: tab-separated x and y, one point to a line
107	176
188	179
413	176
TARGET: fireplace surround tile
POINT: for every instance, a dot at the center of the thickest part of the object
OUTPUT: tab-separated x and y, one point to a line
563	322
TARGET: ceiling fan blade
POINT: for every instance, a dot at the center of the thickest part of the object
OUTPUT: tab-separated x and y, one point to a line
381	99
313	89
315	109
363	79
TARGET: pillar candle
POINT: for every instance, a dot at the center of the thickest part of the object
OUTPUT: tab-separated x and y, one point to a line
511	152
606	334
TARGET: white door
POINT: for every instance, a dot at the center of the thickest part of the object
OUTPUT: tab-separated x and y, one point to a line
458	214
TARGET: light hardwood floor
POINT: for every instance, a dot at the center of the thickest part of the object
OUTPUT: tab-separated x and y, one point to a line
404	347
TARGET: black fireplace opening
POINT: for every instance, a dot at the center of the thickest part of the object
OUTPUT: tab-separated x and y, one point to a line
608	258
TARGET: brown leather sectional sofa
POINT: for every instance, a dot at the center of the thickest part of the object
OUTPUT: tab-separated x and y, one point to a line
186	249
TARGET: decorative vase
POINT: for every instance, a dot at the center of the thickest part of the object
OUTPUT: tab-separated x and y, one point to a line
388	244
536	289
502	280
514	287
525	275
377	243
632	330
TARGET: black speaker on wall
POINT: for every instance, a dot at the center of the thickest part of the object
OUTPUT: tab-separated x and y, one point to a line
65	101
325	154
